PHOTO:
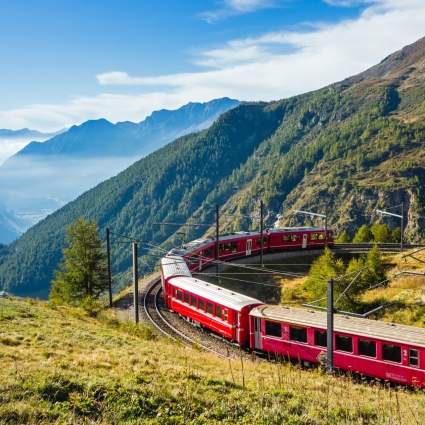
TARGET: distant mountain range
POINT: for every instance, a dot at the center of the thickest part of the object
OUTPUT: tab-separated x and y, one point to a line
347	149
24	133
43	176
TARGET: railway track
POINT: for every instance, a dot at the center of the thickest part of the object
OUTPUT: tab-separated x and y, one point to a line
363	247
174	327
177	328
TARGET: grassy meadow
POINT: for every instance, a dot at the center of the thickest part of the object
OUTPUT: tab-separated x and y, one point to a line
59	365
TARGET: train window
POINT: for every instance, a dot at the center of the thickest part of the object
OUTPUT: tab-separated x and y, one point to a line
294	238
413	357
273	328
208	252
320	338
218	311
201	305
193	259
194	301
186	297
391	353
179	295
344	343
297	334
264	241
314	236
209	308
367	348
286	238
225	314
321	236
229	246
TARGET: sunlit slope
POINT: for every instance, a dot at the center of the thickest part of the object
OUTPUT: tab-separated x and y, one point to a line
354	146
60	366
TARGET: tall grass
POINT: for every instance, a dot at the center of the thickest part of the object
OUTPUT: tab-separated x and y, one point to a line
65	367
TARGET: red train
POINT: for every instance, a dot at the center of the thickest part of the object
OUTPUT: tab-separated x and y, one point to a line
243	244
377	349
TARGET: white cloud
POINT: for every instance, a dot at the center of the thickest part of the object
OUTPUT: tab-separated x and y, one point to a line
9	146
272	66
346	3
236	7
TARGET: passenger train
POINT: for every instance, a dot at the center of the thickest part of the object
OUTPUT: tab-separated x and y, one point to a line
395	353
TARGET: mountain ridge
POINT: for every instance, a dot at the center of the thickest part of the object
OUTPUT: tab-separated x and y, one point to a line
44	176
347	148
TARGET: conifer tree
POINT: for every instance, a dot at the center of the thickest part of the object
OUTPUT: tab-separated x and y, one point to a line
363	234
396	235
81	276
375	266
326	267
343	238
381	233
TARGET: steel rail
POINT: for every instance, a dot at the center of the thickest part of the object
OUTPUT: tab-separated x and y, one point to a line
172	329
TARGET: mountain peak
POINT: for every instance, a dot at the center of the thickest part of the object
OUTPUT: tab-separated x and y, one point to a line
406	63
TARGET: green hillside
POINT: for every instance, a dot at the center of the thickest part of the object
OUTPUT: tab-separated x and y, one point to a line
352	146
60	366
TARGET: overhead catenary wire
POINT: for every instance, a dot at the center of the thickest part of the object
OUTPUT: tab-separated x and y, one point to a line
213	261
244	280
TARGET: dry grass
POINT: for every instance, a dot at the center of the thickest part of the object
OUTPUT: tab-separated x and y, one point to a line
60	366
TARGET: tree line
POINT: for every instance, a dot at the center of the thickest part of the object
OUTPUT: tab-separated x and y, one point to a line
377	232
360	274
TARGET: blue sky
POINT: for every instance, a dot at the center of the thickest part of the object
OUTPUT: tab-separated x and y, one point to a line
67	61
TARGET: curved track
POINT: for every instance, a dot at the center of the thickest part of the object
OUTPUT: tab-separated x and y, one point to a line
175	327
178	329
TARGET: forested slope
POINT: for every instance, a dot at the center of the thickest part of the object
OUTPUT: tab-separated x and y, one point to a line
347	148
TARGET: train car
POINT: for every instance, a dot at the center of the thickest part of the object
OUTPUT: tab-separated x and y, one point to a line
201	252
369	347
172	266
220	310
289	238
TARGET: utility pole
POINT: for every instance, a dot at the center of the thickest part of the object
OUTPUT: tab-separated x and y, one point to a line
401	226
108	251
326	227
330	328
217	232
261	231
135	284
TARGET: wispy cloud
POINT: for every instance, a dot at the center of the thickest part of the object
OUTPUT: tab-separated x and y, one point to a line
228	8
271	66
347	3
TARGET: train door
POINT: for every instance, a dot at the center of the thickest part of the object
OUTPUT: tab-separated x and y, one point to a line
305	236
248	246
238	328
257	333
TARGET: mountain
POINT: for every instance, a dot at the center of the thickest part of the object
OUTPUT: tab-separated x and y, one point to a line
347	148
11	141
24	133
101	138
42	177
10	225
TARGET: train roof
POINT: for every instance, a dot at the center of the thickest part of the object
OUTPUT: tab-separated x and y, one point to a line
209	291
297	229
173	265
199	243
402	334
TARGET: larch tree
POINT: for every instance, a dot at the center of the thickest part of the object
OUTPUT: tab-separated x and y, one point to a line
363	234
82	274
